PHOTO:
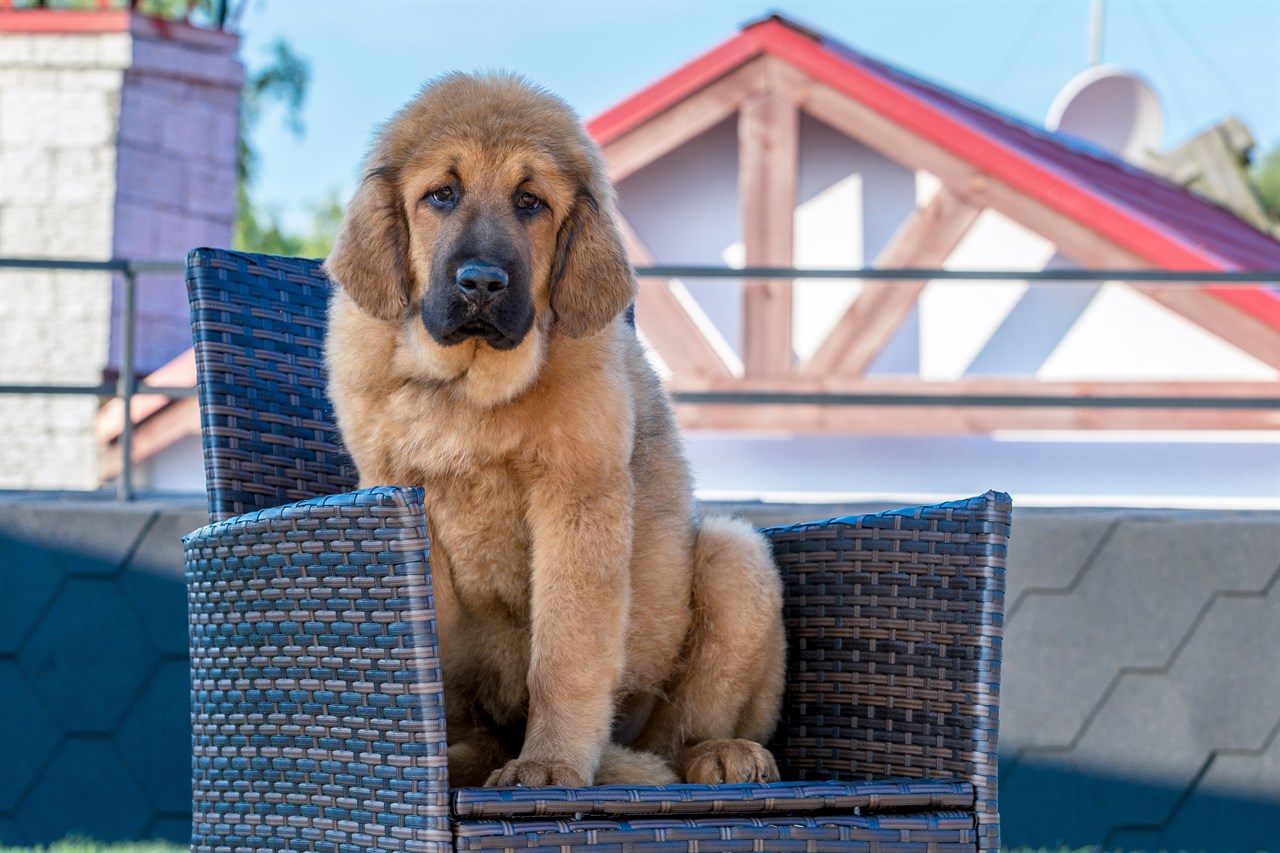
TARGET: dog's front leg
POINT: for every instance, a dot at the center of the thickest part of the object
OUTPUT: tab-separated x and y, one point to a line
581	535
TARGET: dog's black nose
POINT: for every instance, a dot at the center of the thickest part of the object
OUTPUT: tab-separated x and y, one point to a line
479	281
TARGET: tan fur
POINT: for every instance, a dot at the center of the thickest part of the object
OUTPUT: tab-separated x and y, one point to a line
581	607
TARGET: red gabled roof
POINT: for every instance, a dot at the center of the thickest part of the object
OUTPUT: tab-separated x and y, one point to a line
1169	226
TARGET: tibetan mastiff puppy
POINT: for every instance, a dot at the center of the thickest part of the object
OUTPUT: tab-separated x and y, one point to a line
592	629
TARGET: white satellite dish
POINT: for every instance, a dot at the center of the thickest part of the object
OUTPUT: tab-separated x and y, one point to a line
1111	107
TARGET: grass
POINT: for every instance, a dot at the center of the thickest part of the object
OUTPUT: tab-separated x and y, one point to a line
76	844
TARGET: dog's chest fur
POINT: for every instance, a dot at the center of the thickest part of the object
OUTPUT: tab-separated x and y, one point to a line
481	550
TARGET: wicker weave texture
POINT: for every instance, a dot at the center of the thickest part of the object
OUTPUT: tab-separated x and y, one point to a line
776	798
894	627
269	438
939	832
317	706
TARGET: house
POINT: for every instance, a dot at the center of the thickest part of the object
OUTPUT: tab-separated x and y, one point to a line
783	147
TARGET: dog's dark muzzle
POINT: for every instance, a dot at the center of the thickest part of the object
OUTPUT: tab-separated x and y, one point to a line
485	300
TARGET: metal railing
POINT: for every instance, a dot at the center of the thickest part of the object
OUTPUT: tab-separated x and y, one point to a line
127	387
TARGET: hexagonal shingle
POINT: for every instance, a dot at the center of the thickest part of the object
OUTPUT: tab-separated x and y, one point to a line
154	581
1240	790
29	579
100	539
1234	702
27	735
11	834
1131	609
174	829
1049	550
1031	805
155	738
1145	733
87	656
85	790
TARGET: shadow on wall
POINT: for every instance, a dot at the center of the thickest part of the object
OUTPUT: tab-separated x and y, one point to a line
1047	806
94	686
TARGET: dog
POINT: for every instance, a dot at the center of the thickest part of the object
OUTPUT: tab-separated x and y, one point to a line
592	629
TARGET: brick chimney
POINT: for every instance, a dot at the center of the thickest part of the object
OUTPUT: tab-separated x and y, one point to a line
118	136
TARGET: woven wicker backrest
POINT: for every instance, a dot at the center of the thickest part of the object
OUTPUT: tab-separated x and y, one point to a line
894	626
269	437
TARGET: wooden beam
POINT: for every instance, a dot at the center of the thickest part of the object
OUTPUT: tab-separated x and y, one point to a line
975	188
665	322
985	387
925	240
768	170
950	418
675	126
1075	239
943	420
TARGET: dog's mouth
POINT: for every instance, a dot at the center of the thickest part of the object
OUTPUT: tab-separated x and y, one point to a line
482	329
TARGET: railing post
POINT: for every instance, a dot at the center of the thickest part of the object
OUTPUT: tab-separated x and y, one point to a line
125	384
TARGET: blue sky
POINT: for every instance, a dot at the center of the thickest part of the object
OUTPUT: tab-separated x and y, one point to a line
1207	59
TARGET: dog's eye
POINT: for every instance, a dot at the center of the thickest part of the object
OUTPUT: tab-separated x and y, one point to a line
529	202
442	197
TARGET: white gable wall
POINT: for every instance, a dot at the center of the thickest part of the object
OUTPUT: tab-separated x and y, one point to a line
1122	335
684	207
851	200
958	317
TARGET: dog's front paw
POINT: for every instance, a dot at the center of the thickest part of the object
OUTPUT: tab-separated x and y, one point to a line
719	762
531	773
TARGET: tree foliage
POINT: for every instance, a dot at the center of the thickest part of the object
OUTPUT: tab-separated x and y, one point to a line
283	80
1266	181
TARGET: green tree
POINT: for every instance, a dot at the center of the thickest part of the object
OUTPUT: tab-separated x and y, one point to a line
283	80
1266	181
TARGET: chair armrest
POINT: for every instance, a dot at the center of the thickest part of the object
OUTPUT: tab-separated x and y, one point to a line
894	626
317	707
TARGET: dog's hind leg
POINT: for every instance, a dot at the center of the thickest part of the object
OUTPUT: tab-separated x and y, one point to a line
473	755
622	766
724	702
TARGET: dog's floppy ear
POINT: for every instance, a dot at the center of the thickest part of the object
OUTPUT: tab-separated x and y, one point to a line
369	257
591	280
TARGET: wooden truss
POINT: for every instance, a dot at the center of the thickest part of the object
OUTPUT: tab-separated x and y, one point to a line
768	95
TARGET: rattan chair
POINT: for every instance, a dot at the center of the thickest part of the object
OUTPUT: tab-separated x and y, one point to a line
317	709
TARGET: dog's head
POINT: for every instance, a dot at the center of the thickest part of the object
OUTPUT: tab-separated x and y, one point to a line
484	215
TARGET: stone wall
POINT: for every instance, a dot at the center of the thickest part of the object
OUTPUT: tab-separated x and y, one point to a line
113	144
1140	688
59	111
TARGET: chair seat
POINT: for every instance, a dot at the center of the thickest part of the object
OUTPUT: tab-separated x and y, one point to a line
901	833
874	797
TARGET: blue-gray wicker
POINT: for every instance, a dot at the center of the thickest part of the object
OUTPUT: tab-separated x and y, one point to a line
316	700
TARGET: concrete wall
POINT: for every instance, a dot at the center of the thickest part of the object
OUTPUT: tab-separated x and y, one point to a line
1140	691
112	145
